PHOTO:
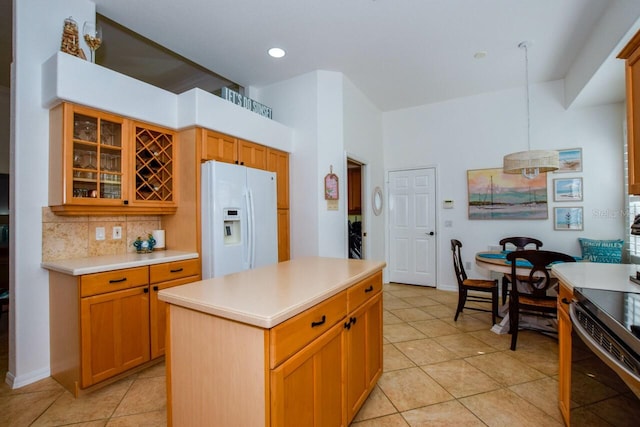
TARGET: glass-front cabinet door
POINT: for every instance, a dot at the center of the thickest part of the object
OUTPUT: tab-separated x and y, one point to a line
97	157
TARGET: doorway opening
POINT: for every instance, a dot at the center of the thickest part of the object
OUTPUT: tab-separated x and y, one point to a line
355	175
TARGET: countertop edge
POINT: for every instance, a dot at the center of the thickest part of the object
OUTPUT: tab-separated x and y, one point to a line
266	322
75	267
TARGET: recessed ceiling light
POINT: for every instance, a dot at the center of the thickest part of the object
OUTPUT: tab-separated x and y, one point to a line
276	52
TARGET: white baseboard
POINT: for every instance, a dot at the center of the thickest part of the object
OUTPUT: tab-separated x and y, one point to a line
29	378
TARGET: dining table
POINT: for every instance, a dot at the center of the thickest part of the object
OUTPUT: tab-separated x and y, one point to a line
496	261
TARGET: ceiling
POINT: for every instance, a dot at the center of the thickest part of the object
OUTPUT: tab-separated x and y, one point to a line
399	53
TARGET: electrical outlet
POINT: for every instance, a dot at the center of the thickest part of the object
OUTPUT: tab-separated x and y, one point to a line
117	233
100	233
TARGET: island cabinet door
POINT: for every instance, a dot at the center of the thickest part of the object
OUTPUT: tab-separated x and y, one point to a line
307	389
115	333
364	352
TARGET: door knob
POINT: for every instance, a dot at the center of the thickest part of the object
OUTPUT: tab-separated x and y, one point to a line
431	233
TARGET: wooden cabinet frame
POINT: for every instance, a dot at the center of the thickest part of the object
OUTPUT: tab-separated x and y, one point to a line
106	184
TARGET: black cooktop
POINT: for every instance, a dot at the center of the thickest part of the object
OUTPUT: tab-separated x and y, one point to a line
618	311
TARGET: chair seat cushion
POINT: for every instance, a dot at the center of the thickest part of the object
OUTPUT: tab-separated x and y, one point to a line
544	303
607	251
480	283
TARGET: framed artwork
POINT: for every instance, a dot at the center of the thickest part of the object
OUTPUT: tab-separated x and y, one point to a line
493	194
570	160
331	186
568	219
567	190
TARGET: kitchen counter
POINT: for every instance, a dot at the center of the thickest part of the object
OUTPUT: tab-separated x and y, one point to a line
267	296
99	264
595	275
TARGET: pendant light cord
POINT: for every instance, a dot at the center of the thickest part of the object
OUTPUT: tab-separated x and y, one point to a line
526	74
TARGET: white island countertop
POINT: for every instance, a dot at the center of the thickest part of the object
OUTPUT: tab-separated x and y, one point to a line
267	296
99	264
595	275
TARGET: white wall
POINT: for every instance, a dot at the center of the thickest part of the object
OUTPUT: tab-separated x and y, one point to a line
37	34
363	140
295	104
5	98
476	132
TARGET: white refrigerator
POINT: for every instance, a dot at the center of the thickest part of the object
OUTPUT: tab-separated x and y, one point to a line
239	218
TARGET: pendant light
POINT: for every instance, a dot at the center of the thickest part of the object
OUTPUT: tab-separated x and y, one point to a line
530	163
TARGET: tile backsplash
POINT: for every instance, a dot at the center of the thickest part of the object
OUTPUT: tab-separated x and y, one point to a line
65	237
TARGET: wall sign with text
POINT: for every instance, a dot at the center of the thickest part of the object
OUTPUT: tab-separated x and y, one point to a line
245	102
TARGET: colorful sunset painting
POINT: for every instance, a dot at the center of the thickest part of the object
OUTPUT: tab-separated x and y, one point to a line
494	194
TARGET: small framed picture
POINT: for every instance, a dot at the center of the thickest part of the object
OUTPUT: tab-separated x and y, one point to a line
570	160
567	190
568	219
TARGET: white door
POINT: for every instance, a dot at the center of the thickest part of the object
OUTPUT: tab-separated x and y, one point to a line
412	226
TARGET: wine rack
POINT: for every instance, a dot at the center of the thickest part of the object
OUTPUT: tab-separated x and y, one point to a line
154	165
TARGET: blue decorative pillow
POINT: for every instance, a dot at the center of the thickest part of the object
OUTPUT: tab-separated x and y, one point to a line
609	251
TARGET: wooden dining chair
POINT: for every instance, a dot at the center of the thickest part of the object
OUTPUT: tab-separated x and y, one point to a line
520	243
465	285
529	294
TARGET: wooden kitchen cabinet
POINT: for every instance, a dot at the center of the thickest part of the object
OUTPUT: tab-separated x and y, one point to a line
228	149
307	388
115	333
103	164
278	162
631	55
103	325
218	146
164	276
565	296
355	191
364	342
252	155
283	235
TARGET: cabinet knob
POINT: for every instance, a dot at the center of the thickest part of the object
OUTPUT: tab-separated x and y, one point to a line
146	290
124	279
155	288
369	289
565	301
177	270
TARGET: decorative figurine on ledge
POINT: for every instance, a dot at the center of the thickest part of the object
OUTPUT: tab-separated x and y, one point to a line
144	246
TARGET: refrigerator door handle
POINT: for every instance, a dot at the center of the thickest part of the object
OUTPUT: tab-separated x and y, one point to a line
251	238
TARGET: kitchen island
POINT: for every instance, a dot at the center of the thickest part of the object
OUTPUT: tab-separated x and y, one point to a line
295	343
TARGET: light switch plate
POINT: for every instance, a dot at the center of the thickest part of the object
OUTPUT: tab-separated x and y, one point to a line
100	233
116	233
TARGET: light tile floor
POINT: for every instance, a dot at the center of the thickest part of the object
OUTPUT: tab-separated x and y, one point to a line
437	372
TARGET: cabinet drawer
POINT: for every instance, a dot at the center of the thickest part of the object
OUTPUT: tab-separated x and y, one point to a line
100	283
564	294
362	291
295	333
174	270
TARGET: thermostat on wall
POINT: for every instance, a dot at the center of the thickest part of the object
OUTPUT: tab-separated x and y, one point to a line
447	204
